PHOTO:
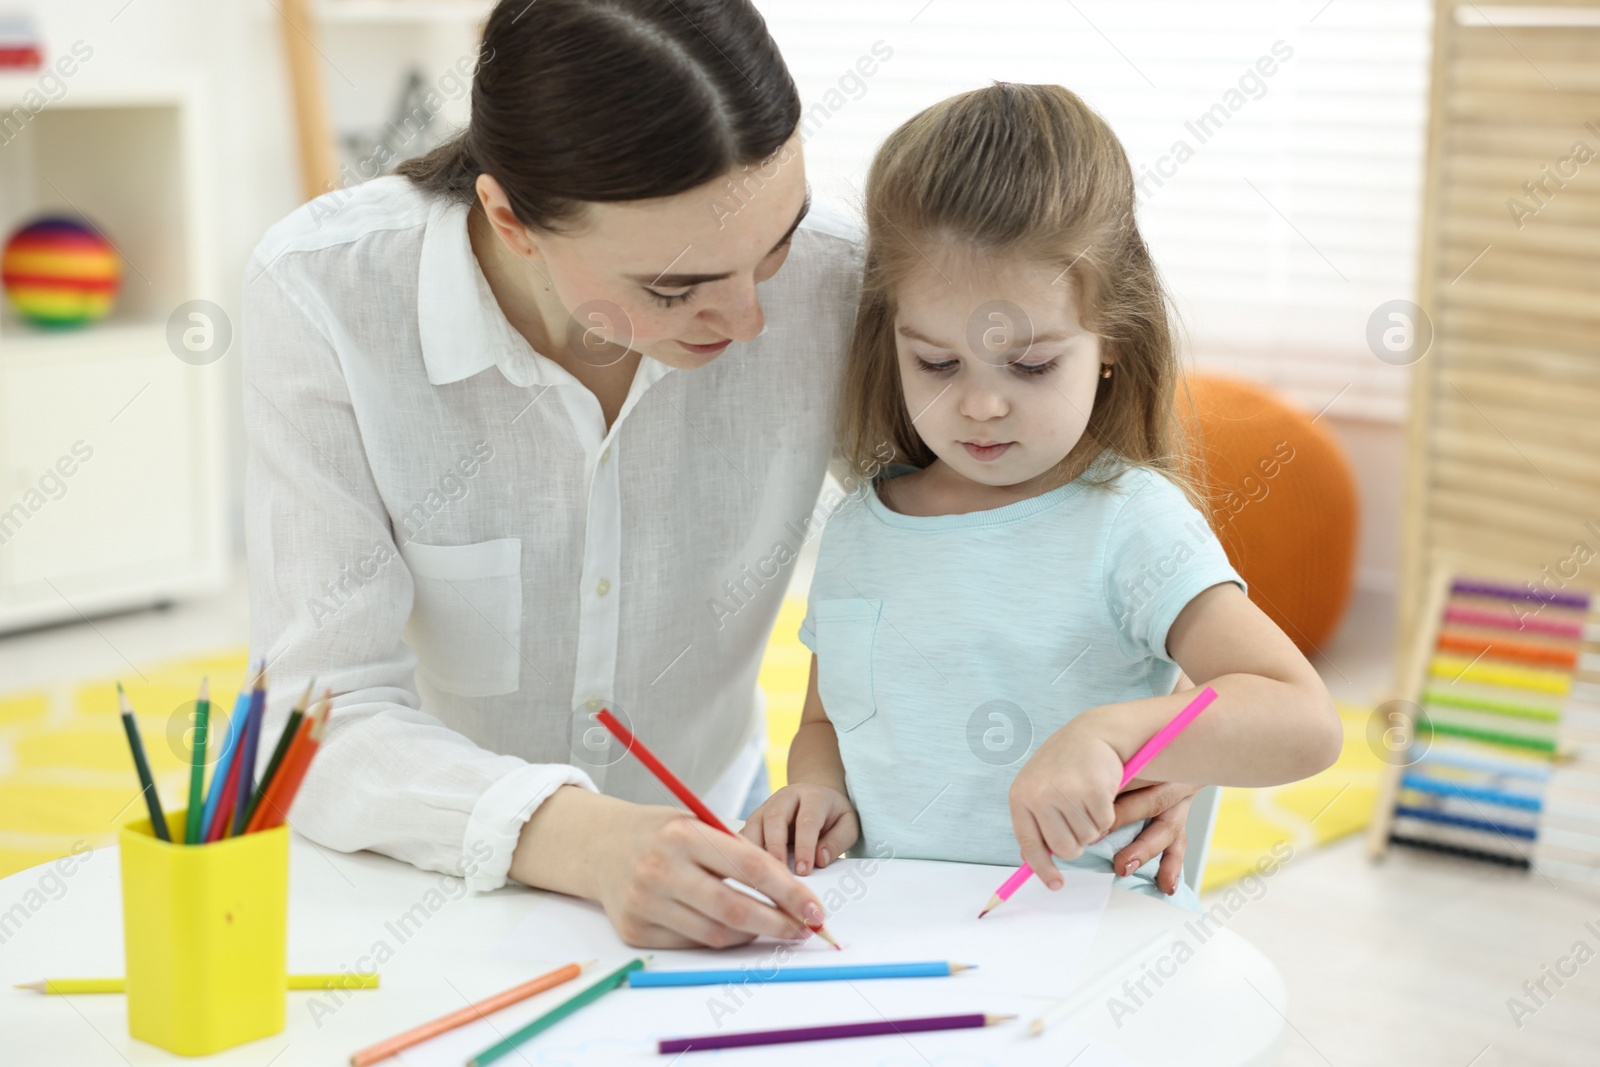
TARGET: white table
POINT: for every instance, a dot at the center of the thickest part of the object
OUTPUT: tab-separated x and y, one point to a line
1224	1006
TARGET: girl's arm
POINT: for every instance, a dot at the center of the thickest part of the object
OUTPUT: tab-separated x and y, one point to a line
814	752
813	811
1273	720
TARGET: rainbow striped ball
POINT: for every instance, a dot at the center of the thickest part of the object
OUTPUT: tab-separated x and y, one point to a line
59	272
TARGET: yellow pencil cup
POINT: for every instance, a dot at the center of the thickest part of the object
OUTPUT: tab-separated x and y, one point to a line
204	931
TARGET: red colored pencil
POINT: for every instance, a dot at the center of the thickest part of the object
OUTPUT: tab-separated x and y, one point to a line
679	790
222	818
659	769
279	797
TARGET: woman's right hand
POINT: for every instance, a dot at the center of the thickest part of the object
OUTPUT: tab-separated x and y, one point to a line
818	819
662	884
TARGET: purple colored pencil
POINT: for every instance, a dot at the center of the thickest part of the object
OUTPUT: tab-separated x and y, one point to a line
1472	587
829	1033
249	742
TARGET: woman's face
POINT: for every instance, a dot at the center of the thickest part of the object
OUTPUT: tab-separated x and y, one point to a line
674	278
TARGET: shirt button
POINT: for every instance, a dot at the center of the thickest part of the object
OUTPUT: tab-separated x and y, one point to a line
602	587
593	703
606	454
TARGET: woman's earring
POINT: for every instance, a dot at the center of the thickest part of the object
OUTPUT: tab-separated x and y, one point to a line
1105	370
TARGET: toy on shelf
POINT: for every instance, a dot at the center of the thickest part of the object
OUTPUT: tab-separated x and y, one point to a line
60	273
1495	751
19	43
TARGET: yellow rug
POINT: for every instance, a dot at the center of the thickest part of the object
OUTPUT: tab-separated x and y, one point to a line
65	774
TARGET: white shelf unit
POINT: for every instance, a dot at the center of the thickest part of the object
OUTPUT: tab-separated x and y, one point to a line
142	519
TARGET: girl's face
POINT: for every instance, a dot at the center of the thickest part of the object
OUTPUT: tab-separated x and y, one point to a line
674	278
998	373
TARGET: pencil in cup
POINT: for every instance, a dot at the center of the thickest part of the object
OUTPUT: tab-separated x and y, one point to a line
147	784
220	819
1130	770
220	822
197	764
290	727
681	791
219	773
246	778
280	793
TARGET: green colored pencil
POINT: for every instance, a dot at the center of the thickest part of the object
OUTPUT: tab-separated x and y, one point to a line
158	819
556	1014
289	727
197	765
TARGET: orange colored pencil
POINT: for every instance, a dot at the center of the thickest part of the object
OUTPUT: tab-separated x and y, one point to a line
460	1017
279	797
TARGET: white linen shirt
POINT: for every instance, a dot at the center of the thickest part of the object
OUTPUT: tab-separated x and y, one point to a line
442	530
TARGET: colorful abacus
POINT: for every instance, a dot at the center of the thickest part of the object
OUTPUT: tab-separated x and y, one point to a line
1498	757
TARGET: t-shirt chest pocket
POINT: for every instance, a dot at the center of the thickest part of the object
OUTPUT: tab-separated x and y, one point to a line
845	630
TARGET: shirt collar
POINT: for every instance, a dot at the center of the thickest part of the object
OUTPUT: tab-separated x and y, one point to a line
459	321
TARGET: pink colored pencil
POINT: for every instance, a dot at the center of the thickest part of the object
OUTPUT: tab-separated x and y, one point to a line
1130	770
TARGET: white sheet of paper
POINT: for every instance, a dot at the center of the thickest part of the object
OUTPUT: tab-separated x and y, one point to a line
1028	953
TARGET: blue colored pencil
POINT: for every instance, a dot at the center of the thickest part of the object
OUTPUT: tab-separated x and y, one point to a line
241	705
247	753
755	975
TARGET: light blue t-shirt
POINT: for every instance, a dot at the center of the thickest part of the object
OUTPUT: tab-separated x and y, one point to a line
949	647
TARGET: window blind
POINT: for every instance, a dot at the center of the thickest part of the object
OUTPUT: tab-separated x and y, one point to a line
1278	146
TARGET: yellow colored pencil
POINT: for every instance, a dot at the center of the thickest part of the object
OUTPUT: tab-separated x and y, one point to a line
116	985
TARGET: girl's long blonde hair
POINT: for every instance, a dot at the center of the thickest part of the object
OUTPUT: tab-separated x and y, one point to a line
1016	171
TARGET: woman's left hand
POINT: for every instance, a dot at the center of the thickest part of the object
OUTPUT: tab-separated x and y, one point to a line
1166	805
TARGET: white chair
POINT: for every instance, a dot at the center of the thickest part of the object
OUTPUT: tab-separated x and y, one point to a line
1198	826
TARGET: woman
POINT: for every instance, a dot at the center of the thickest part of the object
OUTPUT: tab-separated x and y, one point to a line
525	440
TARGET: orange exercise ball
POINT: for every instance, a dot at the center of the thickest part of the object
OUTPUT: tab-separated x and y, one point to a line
1283	501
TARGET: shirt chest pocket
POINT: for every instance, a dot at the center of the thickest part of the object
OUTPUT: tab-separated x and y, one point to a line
466	621
845	630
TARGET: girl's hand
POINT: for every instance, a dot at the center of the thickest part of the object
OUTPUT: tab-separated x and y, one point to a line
817	819
1166	805
1063	799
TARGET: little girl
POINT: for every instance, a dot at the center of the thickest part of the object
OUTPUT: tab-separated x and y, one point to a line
998	622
